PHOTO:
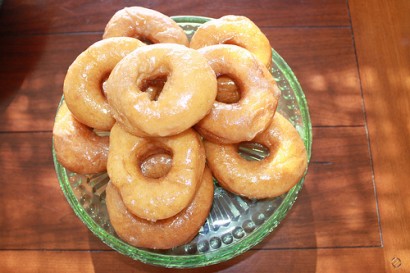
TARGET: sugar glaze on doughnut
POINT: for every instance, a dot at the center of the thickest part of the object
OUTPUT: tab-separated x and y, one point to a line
186	97
83	84
149	198
162	234
235	30
270	177
78	148
259	95
145	25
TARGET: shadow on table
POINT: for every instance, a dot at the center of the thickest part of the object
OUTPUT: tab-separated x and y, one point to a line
20	50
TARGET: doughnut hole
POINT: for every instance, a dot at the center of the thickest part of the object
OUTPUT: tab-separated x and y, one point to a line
228	91
253	151
155	163
153	86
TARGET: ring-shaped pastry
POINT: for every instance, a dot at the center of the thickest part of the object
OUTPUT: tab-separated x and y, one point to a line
146	25
259	95
149	198
78	148
162	234
270	177
186	97
235	30
83	84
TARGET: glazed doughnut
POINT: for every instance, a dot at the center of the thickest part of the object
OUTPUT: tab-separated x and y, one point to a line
162	234
149	198
187	95
77	146
259	94
85	77
270	177
145	25
236	30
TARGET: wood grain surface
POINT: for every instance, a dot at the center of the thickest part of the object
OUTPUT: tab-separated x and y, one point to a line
382	37
352	59
306	260
87	16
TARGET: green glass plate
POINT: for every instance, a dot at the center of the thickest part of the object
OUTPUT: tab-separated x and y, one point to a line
234	225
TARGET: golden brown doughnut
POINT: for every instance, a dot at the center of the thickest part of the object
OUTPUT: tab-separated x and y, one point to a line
187	95
146	25
236	30
150	198
270	177
77	147
259	95
85	77
162	234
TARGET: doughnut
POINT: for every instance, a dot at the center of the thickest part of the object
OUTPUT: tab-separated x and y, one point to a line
149	198
236	30
259	95
274	175
186	97
146	25
85	78
78	148
162	234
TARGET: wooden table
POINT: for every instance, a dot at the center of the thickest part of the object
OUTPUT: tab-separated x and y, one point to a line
352	59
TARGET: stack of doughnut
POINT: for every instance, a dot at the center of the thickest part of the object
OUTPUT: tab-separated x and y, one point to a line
176	112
